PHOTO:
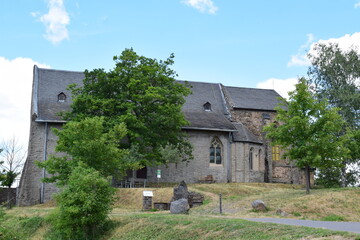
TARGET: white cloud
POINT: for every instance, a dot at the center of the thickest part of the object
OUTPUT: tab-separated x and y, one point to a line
35	14
357	5
300	59
55	21
281	86
202	5
15	95
345	43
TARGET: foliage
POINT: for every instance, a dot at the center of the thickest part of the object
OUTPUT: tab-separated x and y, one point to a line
330	177
83	205
87	142
142	93
335	75
12	157
308	131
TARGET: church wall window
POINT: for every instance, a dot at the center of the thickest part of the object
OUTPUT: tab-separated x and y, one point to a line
275	153
215	152
259	167
251	158
207	107
61	97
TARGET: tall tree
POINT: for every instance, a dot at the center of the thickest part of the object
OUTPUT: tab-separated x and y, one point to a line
12	157
87	142
335	75
142	93
308	131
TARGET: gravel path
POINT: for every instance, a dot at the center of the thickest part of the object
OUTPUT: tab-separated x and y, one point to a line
337	226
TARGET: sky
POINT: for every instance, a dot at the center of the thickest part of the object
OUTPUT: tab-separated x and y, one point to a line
257	43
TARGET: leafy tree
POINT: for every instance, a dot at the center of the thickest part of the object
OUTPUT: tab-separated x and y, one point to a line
335	76
308	131
86	195
83	205
87	142
141	93
12	157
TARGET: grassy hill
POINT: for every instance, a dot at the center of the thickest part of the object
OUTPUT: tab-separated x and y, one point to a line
205	222
322	204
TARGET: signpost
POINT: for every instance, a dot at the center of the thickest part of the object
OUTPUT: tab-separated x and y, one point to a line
158	176
147	200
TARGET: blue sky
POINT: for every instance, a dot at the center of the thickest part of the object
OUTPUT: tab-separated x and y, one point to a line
258	43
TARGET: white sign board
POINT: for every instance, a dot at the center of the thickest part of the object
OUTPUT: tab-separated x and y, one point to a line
148	193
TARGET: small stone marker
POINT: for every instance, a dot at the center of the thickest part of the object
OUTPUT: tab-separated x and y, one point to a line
258	205
180	206
147	200
181	191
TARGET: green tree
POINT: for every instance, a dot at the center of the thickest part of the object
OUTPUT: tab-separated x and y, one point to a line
12	157
142	93
87	142
335	75
86	196
82	205
308	131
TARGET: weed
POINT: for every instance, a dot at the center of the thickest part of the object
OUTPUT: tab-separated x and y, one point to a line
296	214
206	201
333	217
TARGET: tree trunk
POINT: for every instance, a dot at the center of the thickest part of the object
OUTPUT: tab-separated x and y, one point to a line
307	179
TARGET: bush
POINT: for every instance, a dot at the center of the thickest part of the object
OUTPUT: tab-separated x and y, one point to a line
83	206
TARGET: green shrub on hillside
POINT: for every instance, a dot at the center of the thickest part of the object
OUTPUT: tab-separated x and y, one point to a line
83	206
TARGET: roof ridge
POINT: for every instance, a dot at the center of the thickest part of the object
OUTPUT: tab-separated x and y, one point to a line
58	70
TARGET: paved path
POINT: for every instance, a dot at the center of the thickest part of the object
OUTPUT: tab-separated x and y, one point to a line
337	226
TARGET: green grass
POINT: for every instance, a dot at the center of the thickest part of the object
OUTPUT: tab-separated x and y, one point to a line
166	226
17	227
204	222
333	217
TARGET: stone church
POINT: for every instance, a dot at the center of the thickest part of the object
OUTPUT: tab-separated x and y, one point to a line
225	130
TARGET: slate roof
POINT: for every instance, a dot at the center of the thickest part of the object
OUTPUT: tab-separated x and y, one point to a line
253	98
242	134
194	108
49	83
211	121
202	93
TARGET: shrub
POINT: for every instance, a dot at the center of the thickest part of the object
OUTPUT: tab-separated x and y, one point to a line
83	205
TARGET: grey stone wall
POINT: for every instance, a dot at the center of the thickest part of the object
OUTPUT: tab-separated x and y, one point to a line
30	186
4	196
241	167
200	166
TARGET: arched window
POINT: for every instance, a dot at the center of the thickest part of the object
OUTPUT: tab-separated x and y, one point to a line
207	106
215	151
275	153
251	157
61	97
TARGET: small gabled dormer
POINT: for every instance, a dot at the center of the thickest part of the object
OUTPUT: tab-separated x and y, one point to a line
207	107
61	97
